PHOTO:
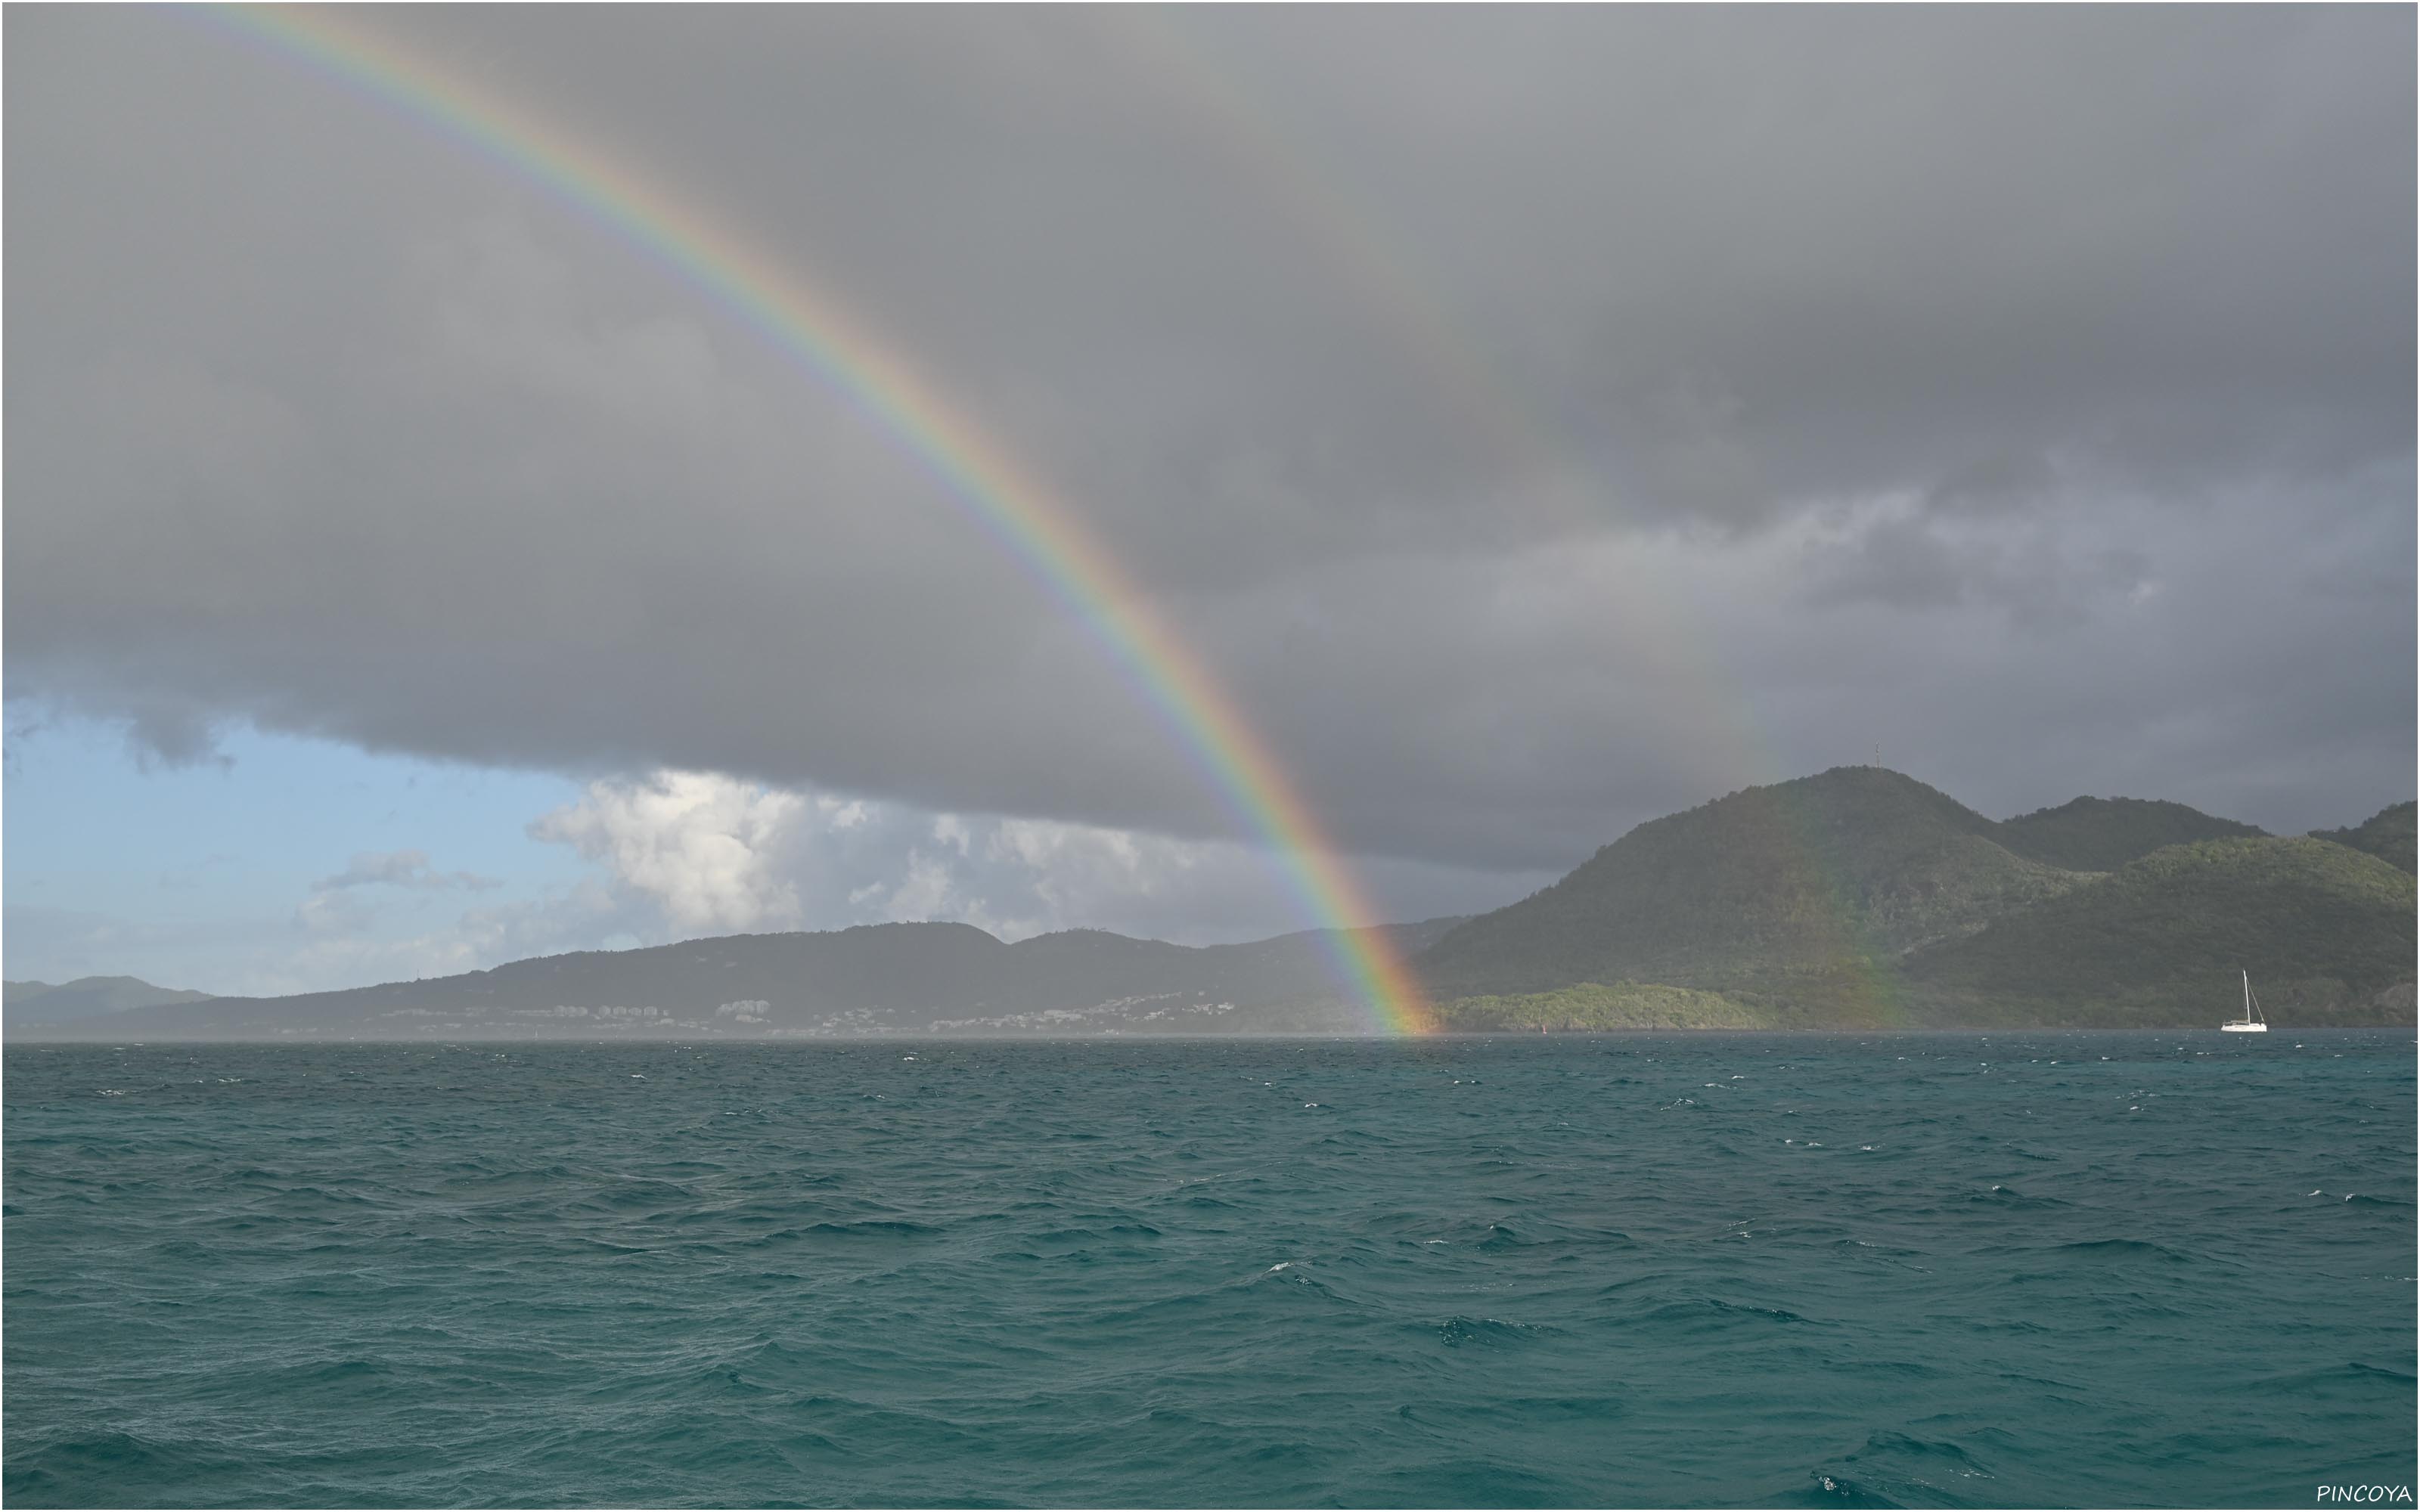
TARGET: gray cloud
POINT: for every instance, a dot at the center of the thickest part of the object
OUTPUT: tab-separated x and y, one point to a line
1540	418
400	869
336	909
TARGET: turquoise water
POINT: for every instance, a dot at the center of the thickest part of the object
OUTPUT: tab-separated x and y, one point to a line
2047	1269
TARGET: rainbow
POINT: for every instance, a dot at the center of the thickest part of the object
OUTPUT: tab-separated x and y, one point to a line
1373	266
988	484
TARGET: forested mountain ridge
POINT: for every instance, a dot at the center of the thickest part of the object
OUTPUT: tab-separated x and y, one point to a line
2388	834
2103	834
873	978
1863	898
1855	898
1814	876
2325	932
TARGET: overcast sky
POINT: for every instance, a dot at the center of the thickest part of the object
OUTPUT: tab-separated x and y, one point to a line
1540	418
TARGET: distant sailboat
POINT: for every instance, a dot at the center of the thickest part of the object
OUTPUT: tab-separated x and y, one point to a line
2251	1023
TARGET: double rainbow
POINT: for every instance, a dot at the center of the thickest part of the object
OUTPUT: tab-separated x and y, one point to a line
1373	266
1022	516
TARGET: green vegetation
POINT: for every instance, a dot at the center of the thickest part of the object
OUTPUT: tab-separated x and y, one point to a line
2326	931
1801	892
2103	834
1863	898
1625	1005
2387	834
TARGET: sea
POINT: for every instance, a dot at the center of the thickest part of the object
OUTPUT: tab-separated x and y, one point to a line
1706	1270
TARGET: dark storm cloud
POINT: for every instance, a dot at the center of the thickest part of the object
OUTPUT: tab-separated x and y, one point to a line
1541	417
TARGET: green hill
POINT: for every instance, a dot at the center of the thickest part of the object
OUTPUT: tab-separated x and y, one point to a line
1625	1005
1862	897
876	978
2103	834
2387	834
1792	899
1855	898
2325	931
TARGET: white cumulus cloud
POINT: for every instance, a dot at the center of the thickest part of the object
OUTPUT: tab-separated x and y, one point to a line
709	850
686	852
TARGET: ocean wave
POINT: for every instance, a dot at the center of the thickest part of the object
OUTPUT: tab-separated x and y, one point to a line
1103	1274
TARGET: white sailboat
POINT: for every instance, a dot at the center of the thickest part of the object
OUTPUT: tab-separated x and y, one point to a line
2251	1023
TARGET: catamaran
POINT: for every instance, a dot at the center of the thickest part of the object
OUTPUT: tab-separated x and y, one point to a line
2251	1023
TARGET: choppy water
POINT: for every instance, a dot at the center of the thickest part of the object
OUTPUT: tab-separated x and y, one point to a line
1929	1270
